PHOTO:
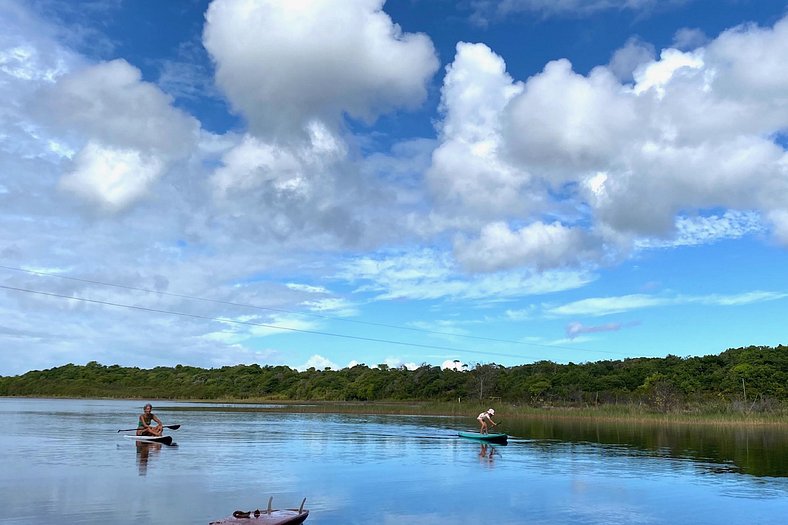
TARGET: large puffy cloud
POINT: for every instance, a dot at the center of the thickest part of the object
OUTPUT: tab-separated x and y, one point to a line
468	170
662	180
285	64
618	161
308	193
539	245
750	65
709	135
110	101
627	59
569	122
472	173
255	163
126	131
112	177
287	192
295	70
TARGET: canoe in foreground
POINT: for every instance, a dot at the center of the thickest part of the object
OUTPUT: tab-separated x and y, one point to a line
267	517
166	440
492	438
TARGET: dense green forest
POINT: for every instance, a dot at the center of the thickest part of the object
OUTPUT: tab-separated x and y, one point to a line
752	378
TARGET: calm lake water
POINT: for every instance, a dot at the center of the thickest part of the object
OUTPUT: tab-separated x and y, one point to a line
63	461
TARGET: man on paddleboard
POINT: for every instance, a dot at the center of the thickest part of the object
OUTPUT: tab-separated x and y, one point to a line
483	418
145	426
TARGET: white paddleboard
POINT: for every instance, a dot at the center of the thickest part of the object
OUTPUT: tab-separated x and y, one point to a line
167	440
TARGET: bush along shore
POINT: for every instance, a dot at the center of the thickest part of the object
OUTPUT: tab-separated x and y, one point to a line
703	414
741	384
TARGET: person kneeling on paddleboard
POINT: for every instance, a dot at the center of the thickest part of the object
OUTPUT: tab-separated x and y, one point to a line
145	427
483	418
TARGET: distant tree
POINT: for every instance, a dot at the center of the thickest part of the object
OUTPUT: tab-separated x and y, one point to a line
754	377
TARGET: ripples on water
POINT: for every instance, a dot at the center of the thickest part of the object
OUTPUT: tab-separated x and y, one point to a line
64	462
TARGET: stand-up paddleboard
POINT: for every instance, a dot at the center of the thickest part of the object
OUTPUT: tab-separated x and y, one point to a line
165	440
267	517
491	438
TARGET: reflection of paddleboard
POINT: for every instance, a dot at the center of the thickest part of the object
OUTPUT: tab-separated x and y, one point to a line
491	438
167	440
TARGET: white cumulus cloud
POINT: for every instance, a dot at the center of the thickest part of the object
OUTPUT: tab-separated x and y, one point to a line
126	131
285	64
455	364
467	167
686	151
112	177
537	245
318	362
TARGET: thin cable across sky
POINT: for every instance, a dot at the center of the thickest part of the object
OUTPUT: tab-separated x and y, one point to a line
280	310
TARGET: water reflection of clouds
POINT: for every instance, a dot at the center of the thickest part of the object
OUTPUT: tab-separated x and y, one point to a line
757	451
357	469
423	519
607	512
627	464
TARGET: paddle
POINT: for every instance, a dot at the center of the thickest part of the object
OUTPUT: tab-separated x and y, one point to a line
490	427
171	427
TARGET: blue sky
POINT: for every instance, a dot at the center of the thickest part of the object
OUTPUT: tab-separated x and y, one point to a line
322	183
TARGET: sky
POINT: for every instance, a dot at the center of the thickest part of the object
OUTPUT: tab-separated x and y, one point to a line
316	183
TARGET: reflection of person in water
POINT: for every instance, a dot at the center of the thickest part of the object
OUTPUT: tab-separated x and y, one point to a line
487	452
143	453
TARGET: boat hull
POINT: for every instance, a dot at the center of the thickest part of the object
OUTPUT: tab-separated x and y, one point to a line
490	438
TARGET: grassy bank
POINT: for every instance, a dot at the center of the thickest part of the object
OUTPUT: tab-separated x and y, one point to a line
714	415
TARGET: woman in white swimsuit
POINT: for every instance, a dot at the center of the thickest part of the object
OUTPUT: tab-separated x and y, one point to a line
483	418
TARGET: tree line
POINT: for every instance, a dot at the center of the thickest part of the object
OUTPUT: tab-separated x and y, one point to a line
755	377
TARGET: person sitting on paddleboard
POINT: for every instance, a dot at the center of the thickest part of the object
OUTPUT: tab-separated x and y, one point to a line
144	427
483	418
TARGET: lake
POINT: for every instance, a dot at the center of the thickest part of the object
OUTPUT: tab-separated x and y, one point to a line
63	461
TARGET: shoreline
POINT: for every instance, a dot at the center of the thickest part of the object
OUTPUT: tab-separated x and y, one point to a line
608	414
601	414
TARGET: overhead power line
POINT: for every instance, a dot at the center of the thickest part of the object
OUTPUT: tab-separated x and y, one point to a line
307	314
251	323
267	308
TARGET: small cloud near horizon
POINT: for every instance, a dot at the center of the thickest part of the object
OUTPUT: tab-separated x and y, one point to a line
575	328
